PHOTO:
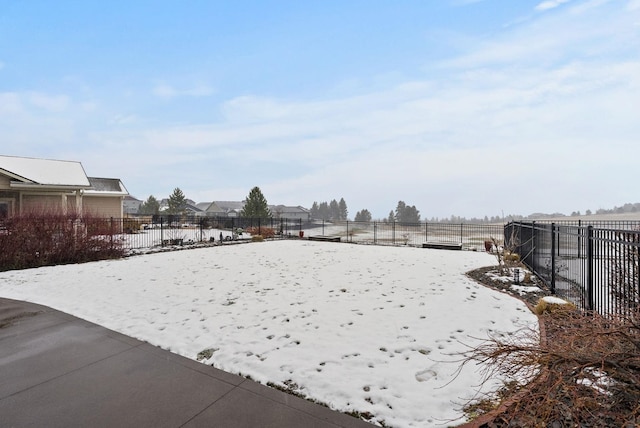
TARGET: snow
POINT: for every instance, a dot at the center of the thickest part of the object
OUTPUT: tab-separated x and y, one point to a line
525	289
46	171
597	380
361	328
555	300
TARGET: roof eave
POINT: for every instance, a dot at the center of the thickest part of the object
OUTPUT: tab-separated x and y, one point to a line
36	186
99	193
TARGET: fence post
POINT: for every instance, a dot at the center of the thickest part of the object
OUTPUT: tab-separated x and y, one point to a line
553	258
534	235
161	231
322	227
589	302
461	227
111	234
348	240
393	233
426	231
375	233
579	237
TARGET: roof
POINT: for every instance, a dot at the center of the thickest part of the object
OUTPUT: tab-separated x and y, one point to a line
44	172
106	187
288	209
230	205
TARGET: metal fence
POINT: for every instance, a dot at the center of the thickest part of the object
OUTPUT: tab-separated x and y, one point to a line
469	236
163	231
596	268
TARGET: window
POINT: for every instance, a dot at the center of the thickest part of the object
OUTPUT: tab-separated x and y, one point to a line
5	209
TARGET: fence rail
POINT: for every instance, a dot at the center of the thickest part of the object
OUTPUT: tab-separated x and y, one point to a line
469	236
162	231
595	268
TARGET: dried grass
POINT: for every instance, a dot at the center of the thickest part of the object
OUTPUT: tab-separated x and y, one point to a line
584	372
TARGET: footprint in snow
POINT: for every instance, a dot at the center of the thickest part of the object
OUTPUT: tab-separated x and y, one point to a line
426	375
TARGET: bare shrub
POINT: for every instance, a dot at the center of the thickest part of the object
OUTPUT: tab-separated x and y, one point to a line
265	232
584	372
51	237
506	254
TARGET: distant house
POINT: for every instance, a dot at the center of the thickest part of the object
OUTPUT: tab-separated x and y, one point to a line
211	209
189	206
230	208
192	210
234	208
31	184
131	205
282	211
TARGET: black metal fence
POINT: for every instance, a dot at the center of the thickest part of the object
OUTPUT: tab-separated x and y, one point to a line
164	231
594	267
468	235
179	230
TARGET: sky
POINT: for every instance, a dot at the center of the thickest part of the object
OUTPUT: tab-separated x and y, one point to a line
458	107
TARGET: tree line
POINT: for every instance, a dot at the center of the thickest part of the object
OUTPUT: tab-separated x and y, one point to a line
333	210
256	207
255	204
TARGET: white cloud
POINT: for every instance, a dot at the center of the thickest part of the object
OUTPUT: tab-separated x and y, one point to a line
164	90
52	103
10	102
550	4
550	103
453	142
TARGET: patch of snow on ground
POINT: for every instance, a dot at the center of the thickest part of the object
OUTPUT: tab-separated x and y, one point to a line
598	380
361	328
524	289
555	300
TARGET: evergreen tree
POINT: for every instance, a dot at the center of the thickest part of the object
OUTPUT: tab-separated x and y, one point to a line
334	210
255	205
177	202
314	211
399	214
363	215
342	206
406	214
323	211
149	207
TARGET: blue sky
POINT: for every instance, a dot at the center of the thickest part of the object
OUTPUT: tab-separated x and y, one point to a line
459	107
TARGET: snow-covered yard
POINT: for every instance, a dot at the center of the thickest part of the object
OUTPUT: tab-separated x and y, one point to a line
361	328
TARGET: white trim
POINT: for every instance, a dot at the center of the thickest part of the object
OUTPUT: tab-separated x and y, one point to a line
52	187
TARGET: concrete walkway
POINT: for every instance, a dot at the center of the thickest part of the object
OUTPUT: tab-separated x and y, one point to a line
57	370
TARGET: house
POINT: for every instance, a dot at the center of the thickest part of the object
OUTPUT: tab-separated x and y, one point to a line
230	208
189	207
282	211
31	184
131	205
233	209
211	209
